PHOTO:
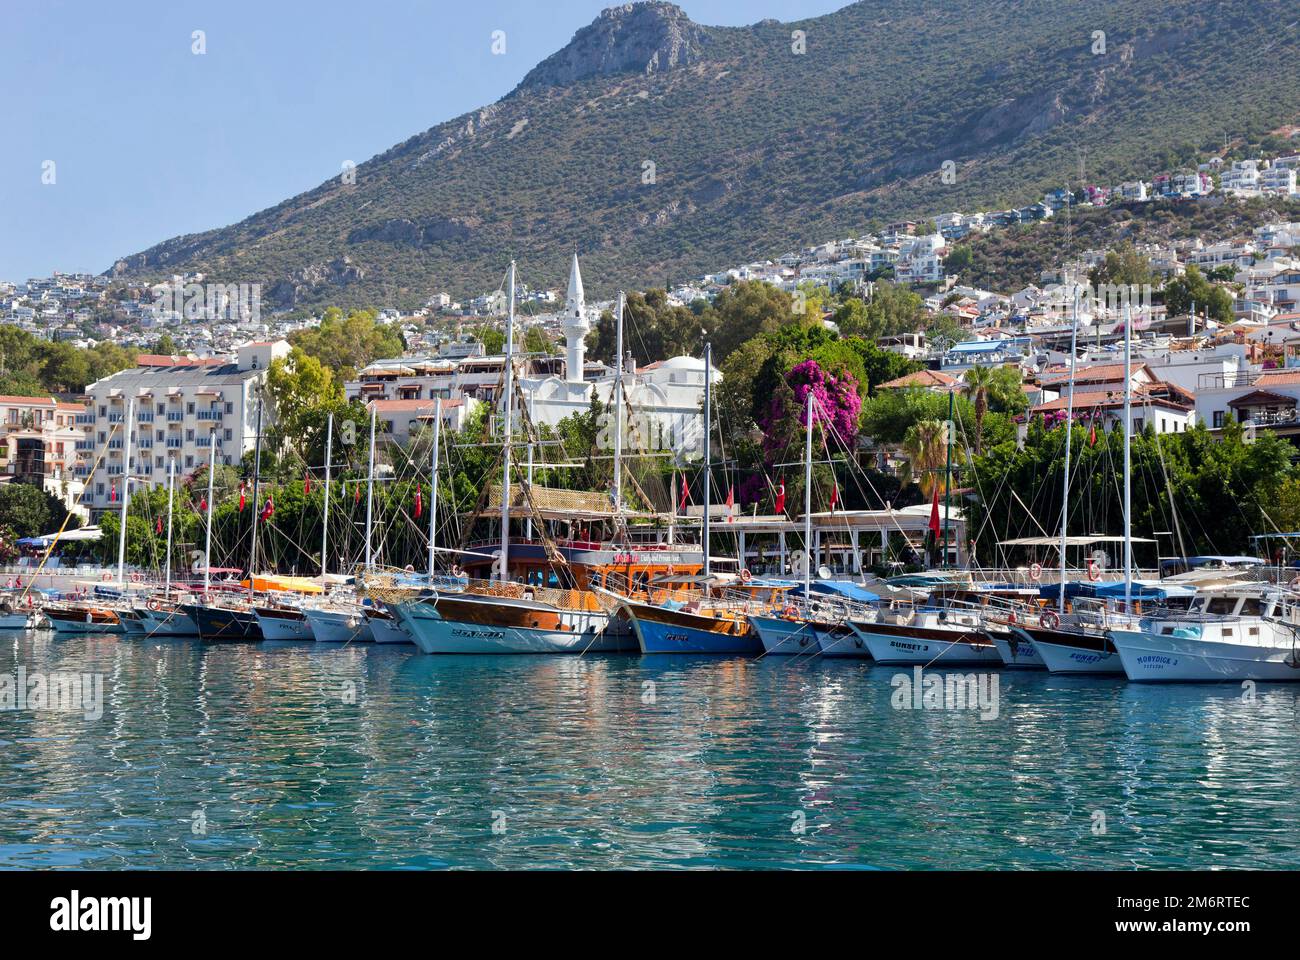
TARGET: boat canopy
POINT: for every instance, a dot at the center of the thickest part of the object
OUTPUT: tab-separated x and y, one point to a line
67	536
286	584
1075	541
1141	590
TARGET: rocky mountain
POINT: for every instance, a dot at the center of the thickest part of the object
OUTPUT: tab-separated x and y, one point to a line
663	149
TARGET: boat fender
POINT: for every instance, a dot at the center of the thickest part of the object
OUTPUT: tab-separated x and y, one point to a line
1035	571
1011	617
1051	621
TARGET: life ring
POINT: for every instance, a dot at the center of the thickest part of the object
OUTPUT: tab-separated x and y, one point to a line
1050	620
455	570
745	575
106	577
791	612
410	569
1035	571
1295	583
137	577
1011	617
1094	571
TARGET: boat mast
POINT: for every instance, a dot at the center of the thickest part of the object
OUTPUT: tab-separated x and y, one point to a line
167	563
618	416
947	478
325	520
433	491
1069	431
509	426
807	504
708	465
207	550
370	487
1128	430
126	495
257	479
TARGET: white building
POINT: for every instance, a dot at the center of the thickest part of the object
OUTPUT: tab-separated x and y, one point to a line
181	409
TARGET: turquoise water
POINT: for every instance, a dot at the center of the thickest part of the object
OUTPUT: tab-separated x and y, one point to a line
258	756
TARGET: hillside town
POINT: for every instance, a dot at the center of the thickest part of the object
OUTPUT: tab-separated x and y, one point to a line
1190	366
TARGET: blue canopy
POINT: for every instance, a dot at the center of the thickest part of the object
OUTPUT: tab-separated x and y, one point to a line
842	588
1141	590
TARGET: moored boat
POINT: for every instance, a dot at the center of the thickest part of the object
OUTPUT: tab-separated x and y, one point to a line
338	623
282	622
218	623
385	627
925	636
82	618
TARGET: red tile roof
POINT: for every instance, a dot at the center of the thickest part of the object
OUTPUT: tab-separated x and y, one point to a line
921	378
29	401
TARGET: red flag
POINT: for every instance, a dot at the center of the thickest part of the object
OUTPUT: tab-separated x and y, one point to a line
203	505
731	497
268	510
686	489
112	493
306	484
419	503
935	526
780	497
835	496
356	494
157	525
241	496
1092	434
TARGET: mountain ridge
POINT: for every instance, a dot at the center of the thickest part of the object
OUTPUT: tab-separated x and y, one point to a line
753	148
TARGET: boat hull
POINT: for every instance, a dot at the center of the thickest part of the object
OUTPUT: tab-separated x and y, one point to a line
168	622
478	627
13	621
785	637
339	626
1063	652
83	622
1151	658
283	624
908	645
223	624
842	640
387	629
1017	651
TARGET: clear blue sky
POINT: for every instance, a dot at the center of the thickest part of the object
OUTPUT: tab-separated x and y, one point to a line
150	141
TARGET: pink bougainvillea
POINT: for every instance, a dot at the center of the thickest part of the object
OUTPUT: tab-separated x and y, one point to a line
836	406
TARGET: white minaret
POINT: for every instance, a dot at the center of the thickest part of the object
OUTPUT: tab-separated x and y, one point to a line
576	325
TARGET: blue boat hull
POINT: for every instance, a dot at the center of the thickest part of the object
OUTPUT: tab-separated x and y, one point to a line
655	637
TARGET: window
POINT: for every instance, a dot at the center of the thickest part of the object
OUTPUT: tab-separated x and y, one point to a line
158	434
189	460
101	436
162	408
230	408
99	489
1138	424
189	435
229	435
158	462
189	408
1218	419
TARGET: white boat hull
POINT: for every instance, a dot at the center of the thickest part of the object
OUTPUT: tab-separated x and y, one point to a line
388	630
339	626
1018	653
1157	658
842	642
1063	658
284	628
904	649
13	621
785	637
432	634
168	623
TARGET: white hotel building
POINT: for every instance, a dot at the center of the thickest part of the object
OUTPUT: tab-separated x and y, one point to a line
181	408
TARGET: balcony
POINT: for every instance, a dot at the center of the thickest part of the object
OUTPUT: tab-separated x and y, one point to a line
175	416
209	414
146	417
174	443
115	444
85	445
116	417
84	419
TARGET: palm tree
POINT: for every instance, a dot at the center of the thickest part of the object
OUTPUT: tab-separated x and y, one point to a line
978	383
926	447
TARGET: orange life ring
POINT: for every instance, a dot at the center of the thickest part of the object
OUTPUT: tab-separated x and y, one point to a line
745	575
137	577
1050	620
106	577
791	611
1035	571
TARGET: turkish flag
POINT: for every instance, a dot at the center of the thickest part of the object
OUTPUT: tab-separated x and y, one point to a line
935	526
157	525
241	498
835	495
356	494
686	490
306	483
1092	434
780	497
203	505
419	503
268	510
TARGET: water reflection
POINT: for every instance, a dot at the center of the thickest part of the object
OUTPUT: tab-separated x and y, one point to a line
371	756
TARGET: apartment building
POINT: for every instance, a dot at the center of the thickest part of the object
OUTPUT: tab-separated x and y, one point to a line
170	409
38	441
